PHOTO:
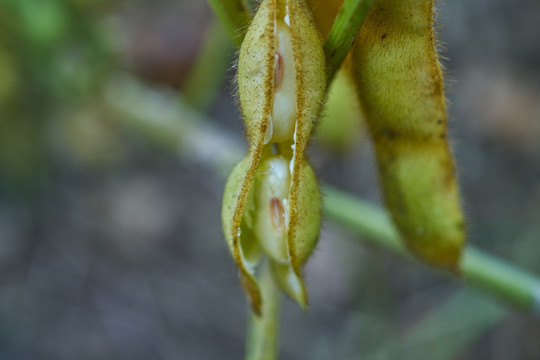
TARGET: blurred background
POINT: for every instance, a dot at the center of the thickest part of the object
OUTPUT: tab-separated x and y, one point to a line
118	126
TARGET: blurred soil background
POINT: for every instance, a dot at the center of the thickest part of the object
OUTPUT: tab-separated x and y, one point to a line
117	128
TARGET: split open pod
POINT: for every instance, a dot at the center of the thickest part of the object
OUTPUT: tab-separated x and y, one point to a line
271	204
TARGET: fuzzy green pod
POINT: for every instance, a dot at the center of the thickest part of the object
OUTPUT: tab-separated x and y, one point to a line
399	83
278	218
271	203
239	234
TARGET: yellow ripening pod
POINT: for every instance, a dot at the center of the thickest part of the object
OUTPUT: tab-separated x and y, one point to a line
399	83
281	84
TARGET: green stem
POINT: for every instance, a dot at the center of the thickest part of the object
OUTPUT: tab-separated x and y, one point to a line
500	279
340	39
479	270
234	14
209	72
263	332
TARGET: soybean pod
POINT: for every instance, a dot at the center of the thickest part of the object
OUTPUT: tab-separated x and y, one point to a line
399	84
271	203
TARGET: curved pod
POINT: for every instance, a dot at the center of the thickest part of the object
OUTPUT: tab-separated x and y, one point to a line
397	74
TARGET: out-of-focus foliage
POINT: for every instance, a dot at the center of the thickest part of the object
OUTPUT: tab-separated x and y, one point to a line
53	58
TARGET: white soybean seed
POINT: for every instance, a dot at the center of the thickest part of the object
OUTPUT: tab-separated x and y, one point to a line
284	107
271	220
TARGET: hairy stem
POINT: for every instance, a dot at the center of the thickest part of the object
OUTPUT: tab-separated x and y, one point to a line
340	39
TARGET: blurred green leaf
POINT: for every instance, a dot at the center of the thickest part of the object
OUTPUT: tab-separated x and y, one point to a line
445	331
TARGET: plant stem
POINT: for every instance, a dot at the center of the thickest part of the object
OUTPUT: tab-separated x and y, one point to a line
479	270
501	279
340	39
263	332
209	72
234	14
